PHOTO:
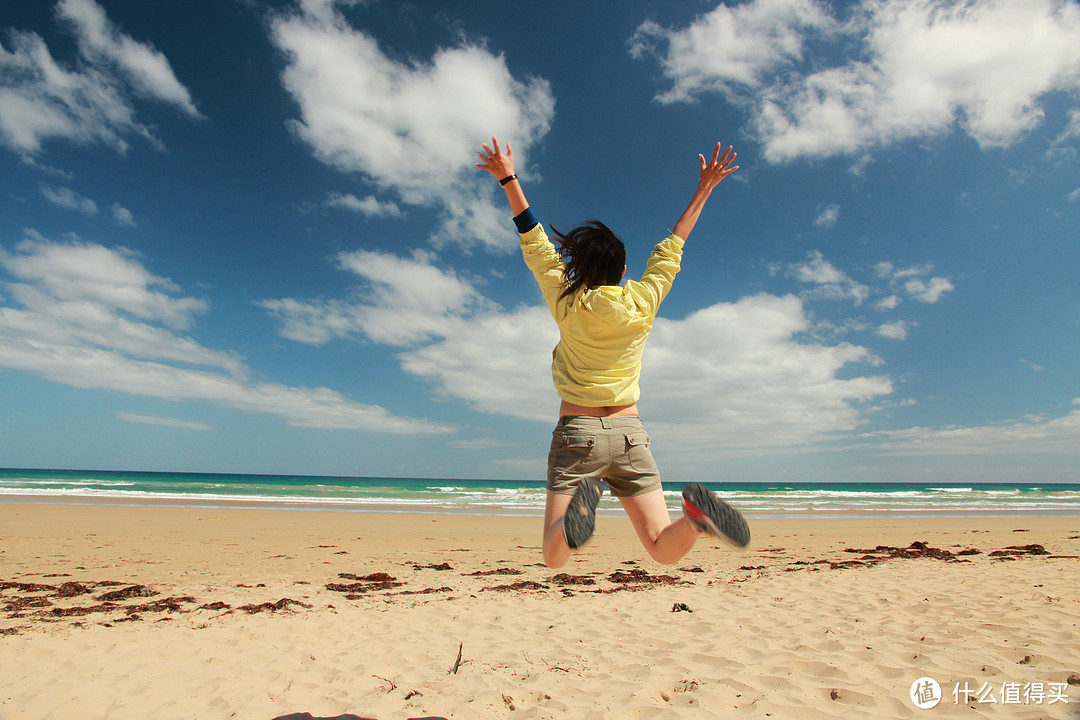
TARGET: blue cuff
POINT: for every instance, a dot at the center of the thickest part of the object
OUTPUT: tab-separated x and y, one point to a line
526	220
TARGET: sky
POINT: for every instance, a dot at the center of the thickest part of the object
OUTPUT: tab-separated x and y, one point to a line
248	237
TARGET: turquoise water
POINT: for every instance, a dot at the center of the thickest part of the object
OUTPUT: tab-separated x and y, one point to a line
510	497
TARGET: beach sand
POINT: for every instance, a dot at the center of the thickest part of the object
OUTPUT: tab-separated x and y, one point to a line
164	612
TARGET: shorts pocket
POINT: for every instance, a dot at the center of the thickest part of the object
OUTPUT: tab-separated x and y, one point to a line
569	452
638	454
572	440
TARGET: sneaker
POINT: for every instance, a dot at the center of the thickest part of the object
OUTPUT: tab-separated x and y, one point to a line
580	518
714	516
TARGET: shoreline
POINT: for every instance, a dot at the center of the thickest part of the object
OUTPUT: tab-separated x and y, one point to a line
359	506
122	612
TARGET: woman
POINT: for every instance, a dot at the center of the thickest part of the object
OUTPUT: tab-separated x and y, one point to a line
603	328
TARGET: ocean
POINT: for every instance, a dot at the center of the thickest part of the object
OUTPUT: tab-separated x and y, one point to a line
511	497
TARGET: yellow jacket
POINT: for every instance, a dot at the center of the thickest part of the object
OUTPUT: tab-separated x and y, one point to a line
602	330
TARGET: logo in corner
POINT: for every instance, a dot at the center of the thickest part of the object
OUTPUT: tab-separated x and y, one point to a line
925	693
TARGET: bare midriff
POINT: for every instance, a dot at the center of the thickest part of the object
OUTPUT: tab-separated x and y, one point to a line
569	409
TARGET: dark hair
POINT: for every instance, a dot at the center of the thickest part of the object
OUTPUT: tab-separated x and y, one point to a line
593	255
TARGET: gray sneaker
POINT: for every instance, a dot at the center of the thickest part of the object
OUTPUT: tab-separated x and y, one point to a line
711	514
580	518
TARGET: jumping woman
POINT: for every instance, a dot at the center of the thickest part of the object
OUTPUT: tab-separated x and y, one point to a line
596	365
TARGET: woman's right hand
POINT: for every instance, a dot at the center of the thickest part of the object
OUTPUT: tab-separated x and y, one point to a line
710	175
712	172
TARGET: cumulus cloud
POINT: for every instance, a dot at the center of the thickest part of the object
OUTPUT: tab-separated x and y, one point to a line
145	68
913	282
95	317
890	302
411	128
93	276
828	216
1032	365
754	384
890	284
893	69
122	215
69	199
929	291
369	206
731	48
402	301
827	281
498	362
894	331
144	419
92	102
1029	435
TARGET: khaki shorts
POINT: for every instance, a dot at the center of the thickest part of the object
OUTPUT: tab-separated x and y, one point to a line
612	449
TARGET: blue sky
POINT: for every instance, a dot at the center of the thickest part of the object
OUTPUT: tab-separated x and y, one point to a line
241	236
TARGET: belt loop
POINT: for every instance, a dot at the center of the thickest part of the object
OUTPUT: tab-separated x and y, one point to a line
606	423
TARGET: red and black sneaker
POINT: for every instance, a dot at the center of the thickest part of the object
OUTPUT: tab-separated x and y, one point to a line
580	518
714	516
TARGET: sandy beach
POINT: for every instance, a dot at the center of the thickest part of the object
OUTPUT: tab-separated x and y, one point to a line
165	612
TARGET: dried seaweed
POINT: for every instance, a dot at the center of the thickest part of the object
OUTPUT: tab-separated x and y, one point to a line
499	571
282	604
520	585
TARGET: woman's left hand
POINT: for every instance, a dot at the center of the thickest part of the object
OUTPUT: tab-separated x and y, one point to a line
495	162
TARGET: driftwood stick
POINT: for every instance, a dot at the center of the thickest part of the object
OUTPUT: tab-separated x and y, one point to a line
457	663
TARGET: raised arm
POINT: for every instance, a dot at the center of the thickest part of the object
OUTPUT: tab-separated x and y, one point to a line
712	172
501	167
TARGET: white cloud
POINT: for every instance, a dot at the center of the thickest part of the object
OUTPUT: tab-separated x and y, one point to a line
69	199
497	362
911	281
144	419
818	270
829	283
92	317
1060	151
828	216
891	283
370	205
1074	195
928	292
906	69
122	215
145	68
412	128
890	302
754	384
404	301
1021	176
894	330
732	47
412	298
90	103
313	323
1030	435
483	443
89	275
